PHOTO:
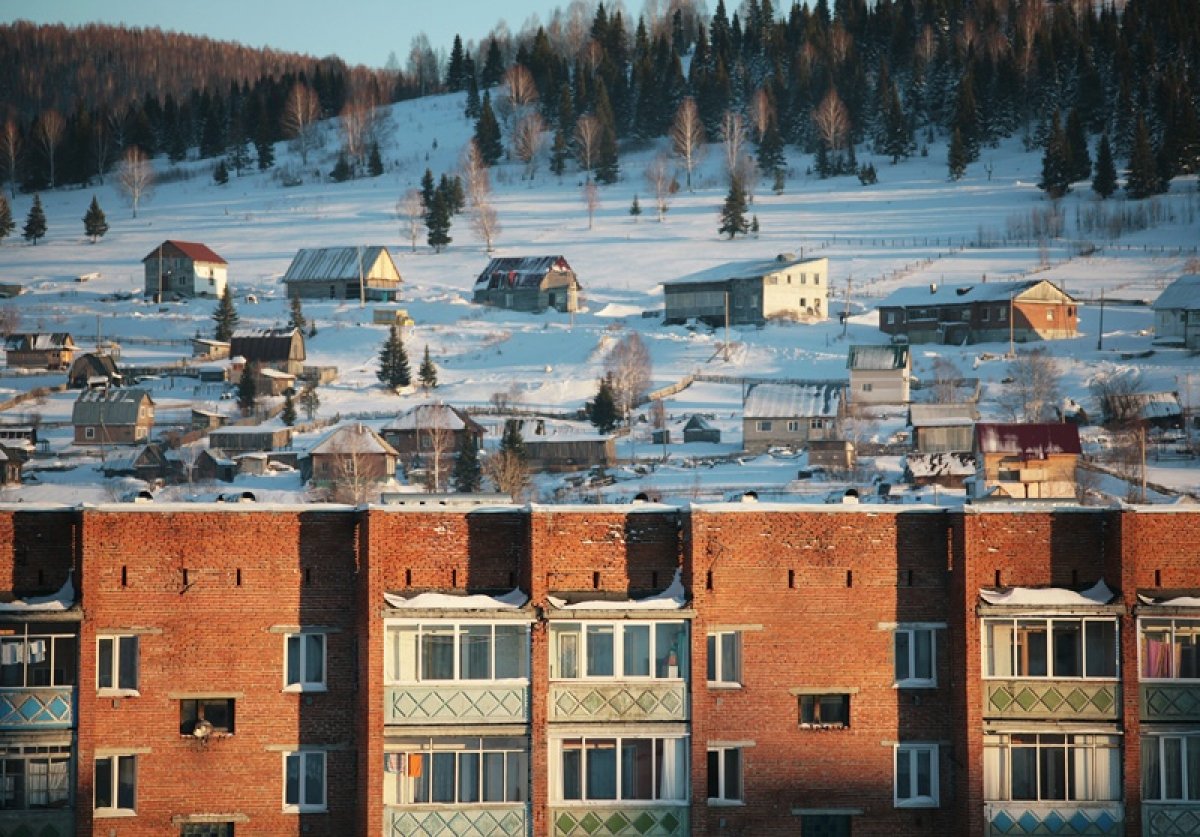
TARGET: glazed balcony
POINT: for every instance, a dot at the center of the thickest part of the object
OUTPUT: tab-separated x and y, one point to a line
508	820
662	700
1046	700
37	707
456	703
1092	819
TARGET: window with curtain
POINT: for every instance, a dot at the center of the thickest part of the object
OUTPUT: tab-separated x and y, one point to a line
1054	648
618	651
38	659
450	651
1049	767
34	776
1171	768
458	771
632	768
1170	649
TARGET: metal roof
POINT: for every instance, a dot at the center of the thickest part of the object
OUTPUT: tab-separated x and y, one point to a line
1035	441
172	249
335	263
877	358
748	269
920	295
433	417
353	438
38	342
266	346
109	406
1183	293
942	415
793	400
519	272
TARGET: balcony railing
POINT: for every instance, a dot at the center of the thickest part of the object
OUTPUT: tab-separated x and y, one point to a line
1171	819
621	821
460	821
1170	701
1033	700
1092	819
37	707
586	701
59	823
455	703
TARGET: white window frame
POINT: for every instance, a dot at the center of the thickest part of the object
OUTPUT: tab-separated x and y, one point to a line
911	751
1186	743
89	433
559	628
913	681
763	426
303	805
557	797
1158	622
114	789
400	788
302	682
998	747
114	675
793	426
52	779
985	647
458	628
721	798
725	679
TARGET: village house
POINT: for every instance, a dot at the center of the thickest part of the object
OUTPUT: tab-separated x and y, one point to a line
790	414
353	453
1025	461
1177	312
879	374
12	461
204	348
112	416
280	348
1148	409
184	269
751	292
241	438
147	463
939	428
984	312
92	369
343	273
698	429
431	426
528	283
39	350
268	381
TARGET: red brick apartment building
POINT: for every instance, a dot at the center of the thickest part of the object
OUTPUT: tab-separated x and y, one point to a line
740	669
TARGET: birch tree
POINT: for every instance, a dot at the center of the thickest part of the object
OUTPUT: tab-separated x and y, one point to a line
662	184
300	114
528	140
411	212
10	149
49	135
629	368
136	177
832	120
484	220
687	136
733	140
587	142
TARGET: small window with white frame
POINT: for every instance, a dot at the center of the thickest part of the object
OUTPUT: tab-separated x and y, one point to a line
725	775
117	663
89	433
725	658
916	776
457	771
114	786
304	781
1171	768
304	662
916	657
762	426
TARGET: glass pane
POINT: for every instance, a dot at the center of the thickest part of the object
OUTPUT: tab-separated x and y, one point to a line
443	777
599	651
314	658
601	769
420	777
670	650
477	652
314	778
568	654
512	652
637	768
711	656
1187	650
733	774
126	781
493	777
714	774
293	660
468	777
1024	773
1156	650
219	713
903	670
65	657
38	649
1031	649
923	645
903	774
1053	780
104	664
1100	642
924	760
402	654
670	758
517	777
1068	659
731	658
127	661
1193	767
1172	767
572	769
637	651
437	654
1000	638
103	783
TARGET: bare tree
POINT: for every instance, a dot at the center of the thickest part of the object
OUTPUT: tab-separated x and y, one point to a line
528	140
832	120
49	134
436	442
411	213
591	200
746	173
1031	389
354	130
10	320
587	142
630	368
101	146
687	136
661	182
10	149
355	475
520	96
508	472
136	177
733	137
300	114
1117	388
484	219
762	112
944	378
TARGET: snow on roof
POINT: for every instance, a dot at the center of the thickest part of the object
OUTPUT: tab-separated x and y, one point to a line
876	358
818	399
940	464
697	422
115	406
267	372
64	599
353	438
519	271
1144	405
942	415
673	598
1036	441
747	269
339	263
1098	594
1171	601
960	294
1183	293
192	250
512	600
432	417
38	342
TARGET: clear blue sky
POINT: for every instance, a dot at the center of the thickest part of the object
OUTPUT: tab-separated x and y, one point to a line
359	31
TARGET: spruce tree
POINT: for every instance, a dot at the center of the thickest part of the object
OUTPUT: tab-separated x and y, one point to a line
512	441
467	476
247	390
264	147
310	401
455	70
393	361
1143	170
221	173
733	213
472	109
94	223
1079	160
560	152
288	415
225	317
493	66
602	410
342	170
1056	162
956	159
428	371
1105	181
487	133
296	318
428	188
6	219
606	151
35	222
635	209
375	161
897	134
438	222
770	151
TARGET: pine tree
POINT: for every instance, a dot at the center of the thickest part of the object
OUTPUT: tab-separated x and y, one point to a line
342	171
467	476
288	415
602	410
897	133
754	228
635	209
310	401
733	213
221	173
1105	181
94	223
296	318
1080	163
472	109
455	70
6	219
606	152
393	361
35	222
493	66
560	152
1056	162
264	146
956	160
512	441
1143	169
247	390
487	133
375	161
770	151
428	372
428	189
225	317
437	223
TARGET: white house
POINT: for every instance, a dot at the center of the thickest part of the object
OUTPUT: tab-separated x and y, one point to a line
879	374
1177	312
184	269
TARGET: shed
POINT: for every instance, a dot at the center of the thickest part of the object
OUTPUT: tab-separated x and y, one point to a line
343	273
941	428
247	438
1177	312
834	455
278	348
93	369
1156	409
879	374
528	283
698	429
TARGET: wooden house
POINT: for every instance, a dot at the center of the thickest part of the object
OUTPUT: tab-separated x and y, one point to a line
268	381
12	461
1152	409
241	438
570	452
353	452
879	374
835	455
947	469
528	283
429	426
343	273
39	350
751	292
207	419
113	416
280	348
1177	312
1025	461
184	269
790	414
942	428
91	370
985	312
205	349
147	463
698	429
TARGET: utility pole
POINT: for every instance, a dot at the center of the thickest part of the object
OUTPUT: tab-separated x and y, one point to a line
1142	438
1100	336
362	289
159	298
1012	351
727	326
846	307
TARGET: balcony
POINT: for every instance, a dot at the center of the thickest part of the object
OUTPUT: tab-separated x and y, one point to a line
456	703
621	821
1095	819
1171	819
1045	700
37	707
626	702
1170	702
60	823
467	821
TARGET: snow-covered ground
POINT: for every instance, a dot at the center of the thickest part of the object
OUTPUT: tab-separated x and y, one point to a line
913	228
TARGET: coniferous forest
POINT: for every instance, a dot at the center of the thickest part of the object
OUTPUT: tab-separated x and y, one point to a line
888	76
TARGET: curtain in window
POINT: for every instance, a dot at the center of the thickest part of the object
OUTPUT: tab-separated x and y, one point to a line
468	777
38	783
493	777
437	654
516	777
637	651
1083	783
1151	769
442	780
637	768
731	657
1172	767
568	655
1108	773
672	768
999	650
1187	650
1156	650
403	654
600	768
570	783
1193	767
993	774
476	654
599	651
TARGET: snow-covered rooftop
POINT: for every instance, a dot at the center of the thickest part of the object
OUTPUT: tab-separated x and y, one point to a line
793	400
1097	594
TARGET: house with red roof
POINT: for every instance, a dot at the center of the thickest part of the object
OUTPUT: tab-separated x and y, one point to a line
1026	461
176	269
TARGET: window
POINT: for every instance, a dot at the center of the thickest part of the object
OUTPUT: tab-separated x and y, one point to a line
825	711
34	777
618	651
454	771
1171	768
725	658
1052	648
117	663
115	785
304	781
916	776
206	829
825	825
891	317
724	774
89	433
38	660
986	314
868	387
1049	315
1003	312
763	426
916	657
305	662
619	769
1051	767
793	427
449	651
1170	649
215	711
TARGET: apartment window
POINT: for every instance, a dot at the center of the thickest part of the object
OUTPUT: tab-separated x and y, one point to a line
305	662
1170	649
216	713
825	825
828	711
304	781
34	777
114	785
449	651
206	829
724	774
724	658
916	776
1052	648
1171	768
38	660
619	769
1051	767
454	771
1049	315
762	426
117	663
916	657
618	651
